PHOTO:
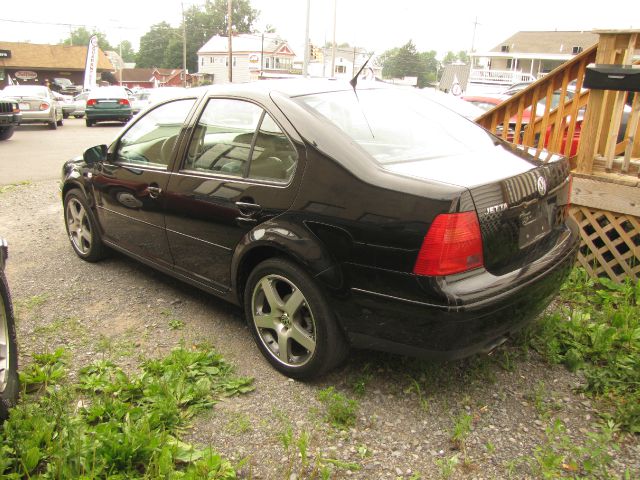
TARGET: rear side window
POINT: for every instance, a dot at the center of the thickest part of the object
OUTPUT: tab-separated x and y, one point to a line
238	138
151	140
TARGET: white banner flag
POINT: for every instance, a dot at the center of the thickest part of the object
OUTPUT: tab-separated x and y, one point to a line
91	65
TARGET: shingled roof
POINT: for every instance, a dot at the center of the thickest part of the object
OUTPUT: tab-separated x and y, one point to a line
51	57
547	42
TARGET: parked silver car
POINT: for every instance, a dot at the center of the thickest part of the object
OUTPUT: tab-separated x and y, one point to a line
66	102
9	385
80	102
37	104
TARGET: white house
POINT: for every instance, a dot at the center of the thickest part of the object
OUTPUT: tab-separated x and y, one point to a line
347	63
253	56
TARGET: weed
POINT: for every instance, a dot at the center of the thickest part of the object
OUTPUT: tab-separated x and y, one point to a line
340	410
47	369
239	423
363	451
116	426
597	330
14	186
560	456
447	465
359	382
422	399
176	324
461	430
490	448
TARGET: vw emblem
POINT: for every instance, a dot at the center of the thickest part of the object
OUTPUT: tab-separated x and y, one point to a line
542	186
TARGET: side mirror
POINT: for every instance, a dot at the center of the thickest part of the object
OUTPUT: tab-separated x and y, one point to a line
95	154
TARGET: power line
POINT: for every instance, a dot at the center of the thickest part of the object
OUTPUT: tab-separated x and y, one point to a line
59	24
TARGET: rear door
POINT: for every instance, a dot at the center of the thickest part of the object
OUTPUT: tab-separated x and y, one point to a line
240	170
129	188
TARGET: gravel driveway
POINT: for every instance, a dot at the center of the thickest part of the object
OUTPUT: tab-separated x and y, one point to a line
407	410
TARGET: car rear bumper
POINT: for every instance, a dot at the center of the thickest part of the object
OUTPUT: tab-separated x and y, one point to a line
32	116
108	114
482	310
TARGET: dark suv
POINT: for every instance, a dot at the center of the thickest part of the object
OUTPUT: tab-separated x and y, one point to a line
10	117
65	87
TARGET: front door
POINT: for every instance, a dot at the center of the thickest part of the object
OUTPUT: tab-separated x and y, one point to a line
130	187
238	172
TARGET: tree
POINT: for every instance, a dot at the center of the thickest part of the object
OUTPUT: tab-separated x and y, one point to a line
200	24
125	49
451	57
405	61
81	36
153	46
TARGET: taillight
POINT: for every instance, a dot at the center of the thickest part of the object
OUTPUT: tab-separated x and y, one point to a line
453	244
123	101
91	102
44	106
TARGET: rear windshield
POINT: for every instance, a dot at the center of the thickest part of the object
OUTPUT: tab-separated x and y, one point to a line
398	125
24	91
108	92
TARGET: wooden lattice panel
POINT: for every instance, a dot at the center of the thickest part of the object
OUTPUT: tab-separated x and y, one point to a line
610	243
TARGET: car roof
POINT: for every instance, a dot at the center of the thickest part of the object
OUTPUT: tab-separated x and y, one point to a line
291	87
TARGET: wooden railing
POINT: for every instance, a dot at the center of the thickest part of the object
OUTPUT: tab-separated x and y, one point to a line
524	117
556	115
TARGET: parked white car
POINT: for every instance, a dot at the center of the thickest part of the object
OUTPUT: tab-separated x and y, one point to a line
37	104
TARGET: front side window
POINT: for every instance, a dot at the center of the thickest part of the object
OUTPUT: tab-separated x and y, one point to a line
238	138
151	140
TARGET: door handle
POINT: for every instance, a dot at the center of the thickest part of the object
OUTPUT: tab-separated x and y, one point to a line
248	209
154	191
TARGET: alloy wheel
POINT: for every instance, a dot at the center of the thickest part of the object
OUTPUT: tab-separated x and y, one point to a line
78	226
284	321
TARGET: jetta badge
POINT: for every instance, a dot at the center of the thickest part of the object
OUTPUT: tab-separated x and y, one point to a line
542	186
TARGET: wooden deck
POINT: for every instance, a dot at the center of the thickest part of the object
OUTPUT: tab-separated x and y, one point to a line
598	129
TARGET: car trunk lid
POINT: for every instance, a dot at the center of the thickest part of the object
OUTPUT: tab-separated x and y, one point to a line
520	201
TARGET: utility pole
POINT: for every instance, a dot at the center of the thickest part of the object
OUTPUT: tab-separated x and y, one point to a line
230	28
184	49
307	43
473	40
333	48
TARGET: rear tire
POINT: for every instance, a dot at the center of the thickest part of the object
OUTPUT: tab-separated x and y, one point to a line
82	227
53	125
89	122
291	322
9	385
60	122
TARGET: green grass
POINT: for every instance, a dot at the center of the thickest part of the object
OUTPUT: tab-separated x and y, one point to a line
13	186
340	411
114	425
596	329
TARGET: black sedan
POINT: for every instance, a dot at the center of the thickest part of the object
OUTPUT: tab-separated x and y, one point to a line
336	217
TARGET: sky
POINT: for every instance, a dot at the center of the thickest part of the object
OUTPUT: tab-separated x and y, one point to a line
372	24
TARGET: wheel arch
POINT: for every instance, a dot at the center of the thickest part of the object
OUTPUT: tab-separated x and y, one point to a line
288	242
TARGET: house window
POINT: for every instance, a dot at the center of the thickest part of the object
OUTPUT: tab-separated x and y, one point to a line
235	61
201	61
267	63
504	48
509	63
341	69
576	50
210	59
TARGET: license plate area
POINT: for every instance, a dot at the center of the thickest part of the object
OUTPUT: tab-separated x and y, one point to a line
24	106
534	224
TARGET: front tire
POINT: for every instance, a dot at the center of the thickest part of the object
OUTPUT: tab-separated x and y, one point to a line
9	385
6	133
82	227
291	322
